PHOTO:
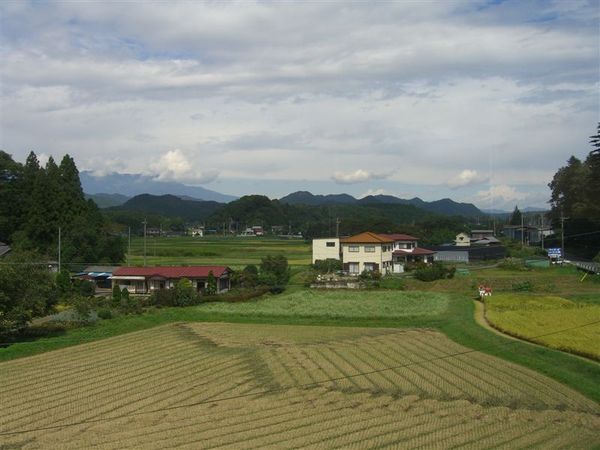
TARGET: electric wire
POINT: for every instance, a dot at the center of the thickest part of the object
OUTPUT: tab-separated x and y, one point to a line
282	389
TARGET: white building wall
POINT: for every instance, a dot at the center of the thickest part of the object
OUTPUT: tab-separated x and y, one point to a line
380	257
328	248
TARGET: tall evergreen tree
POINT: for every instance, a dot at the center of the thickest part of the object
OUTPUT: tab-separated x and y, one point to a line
592	183
516	217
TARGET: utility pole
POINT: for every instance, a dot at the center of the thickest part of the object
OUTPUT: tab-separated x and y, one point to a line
562	234
128	244
59	250
522	233
542	229
145	222
337	227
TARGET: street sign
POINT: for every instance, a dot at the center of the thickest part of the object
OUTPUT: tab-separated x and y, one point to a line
554	252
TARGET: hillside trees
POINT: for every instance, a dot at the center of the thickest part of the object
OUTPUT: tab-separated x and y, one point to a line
27	290
575	193
37	201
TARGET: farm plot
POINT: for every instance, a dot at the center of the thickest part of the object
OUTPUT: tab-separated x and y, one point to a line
269	386
535	316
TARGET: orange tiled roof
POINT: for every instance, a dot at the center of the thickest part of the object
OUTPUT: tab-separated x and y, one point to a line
367	238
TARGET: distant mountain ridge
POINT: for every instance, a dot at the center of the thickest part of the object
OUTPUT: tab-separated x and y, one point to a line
104	200
444	206
131	185
170	206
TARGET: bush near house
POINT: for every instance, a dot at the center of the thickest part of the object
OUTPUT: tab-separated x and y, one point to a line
435	271
328	265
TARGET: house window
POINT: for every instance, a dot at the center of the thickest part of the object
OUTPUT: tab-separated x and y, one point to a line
369	267
369	249
330	244
353	248
353	268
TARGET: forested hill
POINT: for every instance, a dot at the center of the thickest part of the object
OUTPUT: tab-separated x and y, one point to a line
310	220
170	206
445	206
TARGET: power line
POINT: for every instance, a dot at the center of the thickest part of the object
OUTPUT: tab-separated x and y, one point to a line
282	389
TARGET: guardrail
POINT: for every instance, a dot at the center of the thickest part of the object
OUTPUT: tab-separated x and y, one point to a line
590	267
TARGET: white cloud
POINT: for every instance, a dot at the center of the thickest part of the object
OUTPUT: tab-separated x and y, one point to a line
425	89
358	176
466	178
499	196
175	166
373	192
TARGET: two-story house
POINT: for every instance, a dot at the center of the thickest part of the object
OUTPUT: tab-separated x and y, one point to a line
367	251
407	250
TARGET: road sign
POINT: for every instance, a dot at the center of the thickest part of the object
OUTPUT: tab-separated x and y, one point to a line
554	252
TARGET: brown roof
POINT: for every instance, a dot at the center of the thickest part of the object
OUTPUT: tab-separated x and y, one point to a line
400	237
367	238
415	251
171	272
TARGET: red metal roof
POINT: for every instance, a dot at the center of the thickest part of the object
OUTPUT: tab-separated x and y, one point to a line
400	237
171	271
367	238
415	251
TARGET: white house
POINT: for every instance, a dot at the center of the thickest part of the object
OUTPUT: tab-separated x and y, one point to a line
462	240
407	250
328	248
367	251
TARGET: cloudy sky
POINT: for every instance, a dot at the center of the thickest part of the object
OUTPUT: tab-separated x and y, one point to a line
479	101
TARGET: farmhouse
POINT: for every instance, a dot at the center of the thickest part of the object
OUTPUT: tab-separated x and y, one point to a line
143	280
367	251
387	253
99	275
407	250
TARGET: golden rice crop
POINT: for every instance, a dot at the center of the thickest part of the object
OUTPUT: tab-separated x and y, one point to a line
260	386
536	317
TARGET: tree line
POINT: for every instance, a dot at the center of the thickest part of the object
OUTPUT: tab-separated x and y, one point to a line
36	200
575	200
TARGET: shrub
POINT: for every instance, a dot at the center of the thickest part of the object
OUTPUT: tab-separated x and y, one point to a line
105	314
247	278
435	271
522	286
327	265
164	297
274	270
276	289
512	264
391	282
84	287
63	283
211	284
185	294
116	295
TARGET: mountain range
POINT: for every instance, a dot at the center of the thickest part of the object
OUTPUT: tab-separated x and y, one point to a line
130	185
444	206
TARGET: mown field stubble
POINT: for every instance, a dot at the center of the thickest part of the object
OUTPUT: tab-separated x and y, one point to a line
207	385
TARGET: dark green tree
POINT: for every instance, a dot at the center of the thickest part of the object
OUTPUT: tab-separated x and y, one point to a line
211	284
27	290
516	217
274	270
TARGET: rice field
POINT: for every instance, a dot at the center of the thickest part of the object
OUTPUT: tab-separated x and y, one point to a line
236	252
336	304
242	386
529	316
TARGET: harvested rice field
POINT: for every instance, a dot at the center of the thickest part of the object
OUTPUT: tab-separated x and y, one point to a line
242	386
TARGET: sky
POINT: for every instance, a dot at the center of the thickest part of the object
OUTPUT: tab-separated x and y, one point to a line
479	101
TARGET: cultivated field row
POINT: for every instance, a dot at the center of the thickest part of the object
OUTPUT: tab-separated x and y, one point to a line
263	386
